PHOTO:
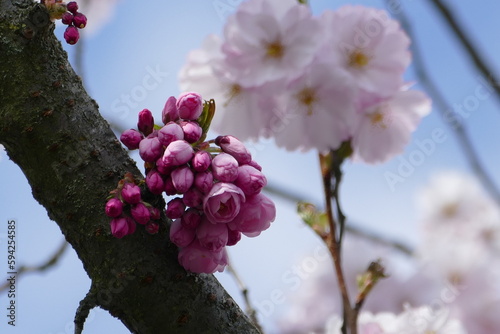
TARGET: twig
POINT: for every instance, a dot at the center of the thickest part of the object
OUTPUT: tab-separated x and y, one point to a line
252	314
442	106
42	267
337	174
478	61
334	246
350	228
86	304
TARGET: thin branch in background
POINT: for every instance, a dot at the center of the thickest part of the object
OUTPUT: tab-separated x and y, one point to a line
443	108
52	261
478	61
353	229
252	314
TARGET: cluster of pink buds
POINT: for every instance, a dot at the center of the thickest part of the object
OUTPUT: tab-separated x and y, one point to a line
218	185
69	15
126	208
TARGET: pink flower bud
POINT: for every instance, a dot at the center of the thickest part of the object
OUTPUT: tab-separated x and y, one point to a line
201	161
198	259
131	139
233	237
150	149
193	197
80	20
169	133
71	35
180	235
212	236
178	153
183	179
191	218
72	7
114	207
170	112
152	227
190	106
155	182
225	167
169	187
250	180
235	147
192	131
154	212
255	165
222	204
131	193
175	208
140	213
146	122
67	18
122	226
162	168
204	181
255	216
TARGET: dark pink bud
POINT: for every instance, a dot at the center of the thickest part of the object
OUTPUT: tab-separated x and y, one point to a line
67	18
140	213
235	147
233	237
190	106
225	167
146	122
152	227
122	226
178	153
175	208
222	204
131	193
183	179
169	187
255	216
150	149
170	112
169	133
198	259
180	235
212	236
154	212
131	139
191	218
255	165
201	161
72	7
250	180
71	35
204	181
193	197
114	207
192	131
155	182
80	20
162	168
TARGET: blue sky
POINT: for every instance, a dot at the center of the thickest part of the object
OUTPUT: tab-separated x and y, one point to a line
155	36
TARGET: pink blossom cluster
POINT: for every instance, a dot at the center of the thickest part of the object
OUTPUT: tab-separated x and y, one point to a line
218	186
69	15
310	82
126	208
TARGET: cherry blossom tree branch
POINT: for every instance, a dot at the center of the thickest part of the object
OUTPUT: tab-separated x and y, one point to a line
480	63
52	129
450	118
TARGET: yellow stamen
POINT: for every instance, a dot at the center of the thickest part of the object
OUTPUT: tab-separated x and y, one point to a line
378	119
275	50
234	91
307	97
358	59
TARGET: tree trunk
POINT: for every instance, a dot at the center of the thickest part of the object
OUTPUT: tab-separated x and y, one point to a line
52	129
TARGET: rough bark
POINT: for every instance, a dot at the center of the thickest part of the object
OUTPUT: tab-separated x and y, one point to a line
52	129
